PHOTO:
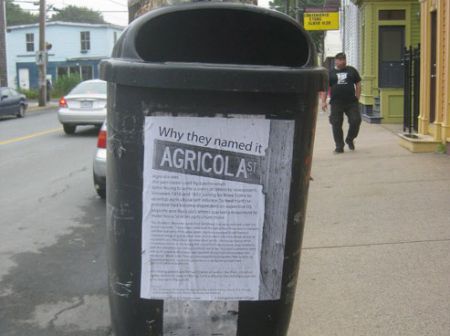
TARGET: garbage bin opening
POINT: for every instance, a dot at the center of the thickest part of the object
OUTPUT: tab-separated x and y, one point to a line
223	36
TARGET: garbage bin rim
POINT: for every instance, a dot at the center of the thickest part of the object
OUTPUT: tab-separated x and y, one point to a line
200	76
211	5
209	66
141	21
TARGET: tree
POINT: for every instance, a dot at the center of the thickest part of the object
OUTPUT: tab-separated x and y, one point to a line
77	14
15	15
296	8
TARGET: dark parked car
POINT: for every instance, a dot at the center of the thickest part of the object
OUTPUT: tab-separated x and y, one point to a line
12	102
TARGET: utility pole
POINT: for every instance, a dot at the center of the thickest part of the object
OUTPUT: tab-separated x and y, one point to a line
3	69
297	11
42	56
286	5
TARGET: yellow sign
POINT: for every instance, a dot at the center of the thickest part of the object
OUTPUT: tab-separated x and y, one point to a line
321	21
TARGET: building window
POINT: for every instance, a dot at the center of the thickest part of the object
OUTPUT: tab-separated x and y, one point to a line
85	38
62	71
69	71
75	70
392	14
30	42
391	48
86	72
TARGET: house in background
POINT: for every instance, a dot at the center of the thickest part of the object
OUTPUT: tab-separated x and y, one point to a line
351	33
332	46
381	29
434	118
77	48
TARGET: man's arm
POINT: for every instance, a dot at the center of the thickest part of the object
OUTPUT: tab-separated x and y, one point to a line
323	98
358	90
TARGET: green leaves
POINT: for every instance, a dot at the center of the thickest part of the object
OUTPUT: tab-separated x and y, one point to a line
296	8
78	14
15	15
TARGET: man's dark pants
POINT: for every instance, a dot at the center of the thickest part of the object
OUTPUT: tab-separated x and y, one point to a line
351	110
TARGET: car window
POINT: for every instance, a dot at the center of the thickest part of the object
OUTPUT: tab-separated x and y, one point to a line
90	87
5	92
13	92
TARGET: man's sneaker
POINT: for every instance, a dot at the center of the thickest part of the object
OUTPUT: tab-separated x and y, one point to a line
350	144
339	150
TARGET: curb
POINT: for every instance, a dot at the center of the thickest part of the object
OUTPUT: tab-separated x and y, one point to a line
34	108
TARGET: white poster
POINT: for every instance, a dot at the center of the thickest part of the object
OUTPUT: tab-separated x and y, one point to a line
203	208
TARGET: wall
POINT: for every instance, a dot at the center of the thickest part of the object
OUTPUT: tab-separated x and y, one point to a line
439	130
351	33
66	45
392	106
333	43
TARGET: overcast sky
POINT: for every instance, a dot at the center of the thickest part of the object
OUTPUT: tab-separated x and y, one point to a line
114	11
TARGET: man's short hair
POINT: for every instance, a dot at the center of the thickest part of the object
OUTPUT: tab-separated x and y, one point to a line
340	55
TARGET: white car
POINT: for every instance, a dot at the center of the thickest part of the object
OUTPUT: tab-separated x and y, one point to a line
99	167
84	105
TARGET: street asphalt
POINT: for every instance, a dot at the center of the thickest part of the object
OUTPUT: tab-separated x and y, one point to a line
376	246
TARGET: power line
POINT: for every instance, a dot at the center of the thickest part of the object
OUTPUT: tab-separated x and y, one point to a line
117	3
51	9
35	3
100	11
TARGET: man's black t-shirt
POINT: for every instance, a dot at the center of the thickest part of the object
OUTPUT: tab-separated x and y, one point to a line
342	84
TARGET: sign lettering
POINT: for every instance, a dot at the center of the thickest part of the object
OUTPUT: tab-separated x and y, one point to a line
321	21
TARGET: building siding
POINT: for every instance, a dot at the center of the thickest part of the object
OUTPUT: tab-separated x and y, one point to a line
66	48
415	27
382	102
434	128
351	29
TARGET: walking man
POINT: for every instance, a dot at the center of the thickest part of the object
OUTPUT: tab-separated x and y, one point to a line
345	90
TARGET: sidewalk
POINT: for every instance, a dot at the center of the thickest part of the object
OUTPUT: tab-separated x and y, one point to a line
33	105
376	248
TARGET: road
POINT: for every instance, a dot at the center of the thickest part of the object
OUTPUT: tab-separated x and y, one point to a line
53	277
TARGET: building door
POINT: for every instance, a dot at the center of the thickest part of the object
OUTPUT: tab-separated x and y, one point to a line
391	49
24	79
433	67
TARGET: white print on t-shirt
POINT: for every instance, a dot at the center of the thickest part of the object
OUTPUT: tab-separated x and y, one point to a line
342	78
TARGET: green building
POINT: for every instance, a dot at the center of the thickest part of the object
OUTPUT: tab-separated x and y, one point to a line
386	28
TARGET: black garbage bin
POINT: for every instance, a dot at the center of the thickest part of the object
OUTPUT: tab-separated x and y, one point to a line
211	118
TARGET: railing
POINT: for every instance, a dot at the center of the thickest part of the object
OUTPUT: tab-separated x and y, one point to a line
411	64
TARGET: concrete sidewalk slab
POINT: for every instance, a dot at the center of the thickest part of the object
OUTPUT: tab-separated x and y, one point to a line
376	248
398	289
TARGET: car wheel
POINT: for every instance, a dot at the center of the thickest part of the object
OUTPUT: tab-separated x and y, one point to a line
69	129
101	193
21	112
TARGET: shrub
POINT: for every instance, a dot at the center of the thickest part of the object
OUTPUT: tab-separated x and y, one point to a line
30	94
441	149
64	84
